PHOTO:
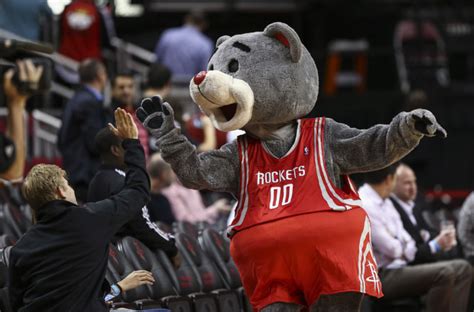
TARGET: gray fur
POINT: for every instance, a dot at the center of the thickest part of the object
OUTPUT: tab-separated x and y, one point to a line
221	39
285	91
293	39
347	151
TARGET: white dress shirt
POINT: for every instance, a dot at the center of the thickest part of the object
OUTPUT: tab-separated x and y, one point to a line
393	246
408	207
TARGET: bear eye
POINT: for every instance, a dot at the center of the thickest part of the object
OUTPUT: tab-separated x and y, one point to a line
211	67
233	66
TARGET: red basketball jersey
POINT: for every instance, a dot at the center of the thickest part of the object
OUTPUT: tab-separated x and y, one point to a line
273	188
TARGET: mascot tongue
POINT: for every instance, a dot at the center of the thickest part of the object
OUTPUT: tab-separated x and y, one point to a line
229	111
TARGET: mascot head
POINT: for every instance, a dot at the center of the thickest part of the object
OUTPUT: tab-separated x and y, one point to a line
259	78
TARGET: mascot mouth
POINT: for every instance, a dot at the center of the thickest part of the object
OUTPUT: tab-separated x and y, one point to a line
229	111
227	100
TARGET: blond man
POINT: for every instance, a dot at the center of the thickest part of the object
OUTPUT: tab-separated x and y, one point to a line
60	263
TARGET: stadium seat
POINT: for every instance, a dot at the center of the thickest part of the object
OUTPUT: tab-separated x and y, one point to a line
6	240
15	222
118	267
217	248
397	305
208	276
187	228
187	281
4	262
163	289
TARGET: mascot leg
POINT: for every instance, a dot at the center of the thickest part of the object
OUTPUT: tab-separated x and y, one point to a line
342	302
282	307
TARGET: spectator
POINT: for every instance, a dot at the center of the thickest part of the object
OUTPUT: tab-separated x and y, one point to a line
83	31
431	246
25	18
133	280
187	204
60	262
161	176
124	95
201	132
110	180
82	118
446	284
466	228
12	154
185	50
158	82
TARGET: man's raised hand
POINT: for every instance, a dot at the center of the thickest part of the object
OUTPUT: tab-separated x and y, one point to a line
125	126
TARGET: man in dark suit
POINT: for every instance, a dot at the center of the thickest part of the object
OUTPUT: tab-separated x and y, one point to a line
431	245
83	117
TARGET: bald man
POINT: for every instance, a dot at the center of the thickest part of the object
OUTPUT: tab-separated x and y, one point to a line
431	246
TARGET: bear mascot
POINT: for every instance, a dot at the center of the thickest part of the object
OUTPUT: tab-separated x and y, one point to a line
300	238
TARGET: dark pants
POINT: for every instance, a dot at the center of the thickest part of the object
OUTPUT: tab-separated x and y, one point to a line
446	284
341	302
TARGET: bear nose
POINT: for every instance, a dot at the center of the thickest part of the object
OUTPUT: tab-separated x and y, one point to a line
200	77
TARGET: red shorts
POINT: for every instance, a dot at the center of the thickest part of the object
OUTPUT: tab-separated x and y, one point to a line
300	258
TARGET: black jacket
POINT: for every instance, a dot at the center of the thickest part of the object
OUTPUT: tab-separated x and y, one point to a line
108	181
423	253
83	117
60	263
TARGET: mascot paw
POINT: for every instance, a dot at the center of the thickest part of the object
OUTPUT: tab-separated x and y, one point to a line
156	116
425	122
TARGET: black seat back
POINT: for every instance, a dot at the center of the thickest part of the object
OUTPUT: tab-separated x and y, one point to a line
170	269
186	275
208	276
4	263
6	240
16	224
118	267
187	228
6	255
143	258
217	248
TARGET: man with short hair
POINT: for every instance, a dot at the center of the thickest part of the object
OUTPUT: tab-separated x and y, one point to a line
110	180
60	262
123	95
83	116
158	82
446	284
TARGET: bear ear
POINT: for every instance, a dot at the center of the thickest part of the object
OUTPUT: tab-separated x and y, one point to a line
221	40
287	36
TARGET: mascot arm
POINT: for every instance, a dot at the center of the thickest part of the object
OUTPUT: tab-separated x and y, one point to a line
216	170
352	150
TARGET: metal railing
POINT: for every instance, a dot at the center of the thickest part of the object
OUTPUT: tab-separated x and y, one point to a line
45	130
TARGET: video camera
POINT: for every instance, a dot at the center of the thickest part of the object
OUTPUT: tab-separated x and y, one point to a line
12	50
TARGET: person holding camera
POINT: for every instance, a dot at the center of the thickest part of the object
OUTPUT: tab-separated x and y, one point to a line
60	262
17	92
